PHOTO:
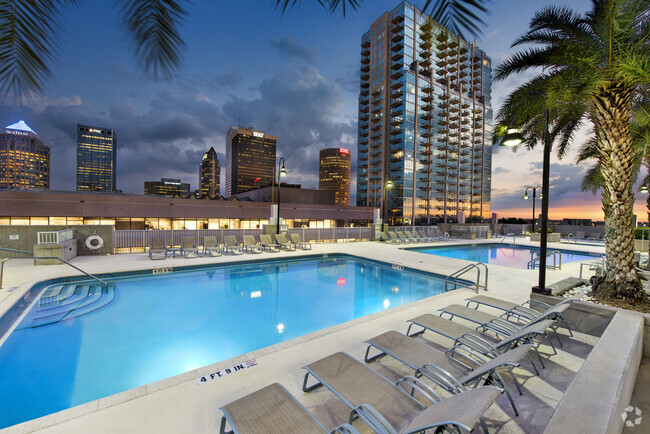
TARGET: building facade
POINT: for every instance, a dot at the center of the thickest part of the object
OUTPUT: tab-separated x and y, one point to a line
334	173
425	121
96	159
167	187
209	175
24	160
250	160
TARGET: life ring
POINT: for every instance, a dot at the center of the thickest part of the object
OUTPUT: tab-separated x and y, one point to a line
94	242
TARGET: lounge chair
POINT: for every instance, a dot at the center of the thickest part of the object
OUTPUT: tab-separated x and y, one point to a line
230	245
387	407
535	335
529	310
211	247
413	236
405	237
393	236
267	243
424	236
188	248
579	236
445	370
385	238
252	246
295	238
595	236
281	239
272	410
497	324
443	237
158	248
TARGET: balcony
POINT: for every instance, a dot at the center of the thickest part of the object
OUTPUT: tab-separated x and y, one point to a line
397	111
365	76
397	92
397	66
365	84
397	56
397	36
397	46
365	51
365	68
396	139
396	121
365	60
428	107
363	109
443	80
396	102
375	126
365	44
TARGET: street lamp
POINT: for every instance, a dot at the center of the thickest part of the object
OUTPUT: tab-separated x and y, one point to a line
387	185
281	171
534	188
514	138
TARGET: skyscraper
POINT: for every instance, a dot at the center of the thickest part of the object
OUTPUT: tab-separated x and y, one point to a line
96	157
24	160
250	160
167	187
334	174
209	173
425	121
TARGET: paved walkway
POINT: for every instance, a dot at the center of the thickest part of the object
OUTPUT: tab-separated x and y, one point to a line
178	404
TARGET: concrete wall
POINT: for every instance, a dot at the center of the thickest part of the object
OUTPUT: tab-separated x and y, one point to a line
27	238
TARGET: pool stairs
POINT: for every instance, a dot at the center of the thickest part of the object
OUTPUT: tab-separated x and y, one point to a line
68	301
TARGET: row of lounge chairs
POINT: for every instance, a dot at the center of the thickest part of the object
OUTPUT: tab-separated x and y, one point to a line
415	236
469	370
582	236
159	249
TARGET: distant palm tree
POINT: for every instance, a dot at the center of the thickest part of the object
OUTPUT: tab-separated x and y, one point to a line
593	69
29	33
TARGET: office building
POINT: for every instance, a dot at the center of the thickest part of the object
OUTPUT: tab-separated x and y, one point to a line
167	187
209	173
24	160
96	158
250	160
334	173
425	121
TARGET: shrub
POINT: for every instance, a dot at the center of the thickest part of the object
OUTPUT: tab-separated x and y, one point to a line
641	233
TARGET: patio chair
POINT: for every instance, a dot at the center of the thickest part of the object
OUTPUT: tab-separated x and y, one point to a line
272	409
405	237
534	334
230	245
443	368
295	238
281	239
267	243
396	238
424	236
188	248
252	246
158	248
413	236
442	237
387	407
594	236
386	239
579	236
498	324
528	310
211	247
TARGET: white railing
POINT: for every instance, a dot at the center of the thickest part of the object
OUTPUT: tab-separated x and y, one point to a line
135	241
55	237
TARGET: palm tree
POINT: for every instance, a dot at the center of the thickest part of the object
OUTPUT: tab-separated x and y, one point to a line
593	68
29	33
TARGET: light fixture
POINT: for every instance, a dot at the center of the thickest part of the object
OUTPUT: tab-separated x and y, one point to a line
526	195
512	138
644	189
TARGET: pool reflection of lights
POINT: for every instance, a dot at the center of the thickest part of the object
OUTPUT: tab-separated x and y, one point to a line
386	304
395	289
280	328
256	294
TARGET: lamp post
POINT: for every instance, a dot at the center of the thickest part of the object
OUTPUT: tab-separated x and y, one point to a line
281	171
384	202
534	188
514	138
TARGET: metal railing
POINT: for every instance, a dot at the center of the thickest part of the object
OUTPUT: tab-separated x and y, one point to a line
16	250
453	278
557	260
55	237
2	266
514	238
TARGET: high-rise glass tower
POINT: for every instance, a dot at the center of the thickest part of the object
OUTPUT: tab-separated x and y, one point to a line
24	161
250	160
425	121
209	173
334	173
96	158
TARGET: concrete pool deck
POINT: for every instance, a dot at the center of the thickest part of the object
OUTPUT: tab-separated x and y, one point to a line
180	404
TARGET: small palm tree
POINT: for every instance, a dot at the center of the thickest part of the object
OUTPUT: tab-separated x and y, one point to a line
594	68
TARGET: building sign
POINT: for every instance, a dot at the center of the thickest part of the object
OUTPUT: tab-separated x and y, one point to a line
16	132
226	371
256	134
344	151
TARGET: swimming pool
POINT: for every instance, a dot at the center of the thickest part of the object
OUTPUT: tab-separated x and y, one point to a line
509	255
81	342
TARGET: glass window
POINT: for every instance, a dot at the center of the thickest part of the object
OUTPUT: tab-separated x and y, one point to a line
57	221
20	221
39	221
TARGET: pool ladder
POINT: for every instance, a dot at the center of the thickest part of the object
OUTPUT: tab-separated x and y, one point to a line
2	265
511	234
453	279
557	261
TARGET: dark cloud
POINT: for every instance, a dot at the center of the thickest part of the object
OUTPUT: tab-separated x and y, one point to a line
289	47
232	79
498	170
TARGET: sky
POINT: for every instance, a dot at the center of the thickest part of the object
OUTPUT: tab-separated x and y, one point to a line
295	76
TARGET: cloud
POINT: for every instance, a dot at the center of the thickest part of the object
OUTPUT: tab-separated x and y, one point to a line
498	170
289	47
232	79
493	33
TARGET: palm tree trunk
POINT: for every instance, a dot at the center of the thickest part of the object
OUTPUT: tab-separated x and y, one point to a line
610	115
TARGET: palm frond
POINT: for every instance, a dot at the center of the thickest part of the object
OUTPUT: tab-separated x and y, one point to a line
460	16
154	27
28	42
331	5
593	179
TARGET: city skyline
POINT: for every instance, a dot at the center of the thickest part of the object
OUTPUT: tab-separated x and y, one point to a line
290	76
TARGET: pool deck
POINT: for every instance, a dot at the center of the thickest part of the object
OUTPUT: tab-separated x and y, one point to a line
179	404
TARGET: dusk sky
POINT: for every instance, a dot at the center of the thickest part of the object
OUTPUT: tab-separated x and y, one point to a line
295	76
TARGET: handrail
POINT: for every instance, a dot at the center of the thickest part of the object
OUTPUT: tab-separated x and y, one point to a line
514	238
2	265
557	260
16	250
455	275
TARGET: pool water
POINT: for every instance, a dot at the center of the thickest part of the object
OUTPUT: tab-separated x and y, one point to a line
81	342
509	255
